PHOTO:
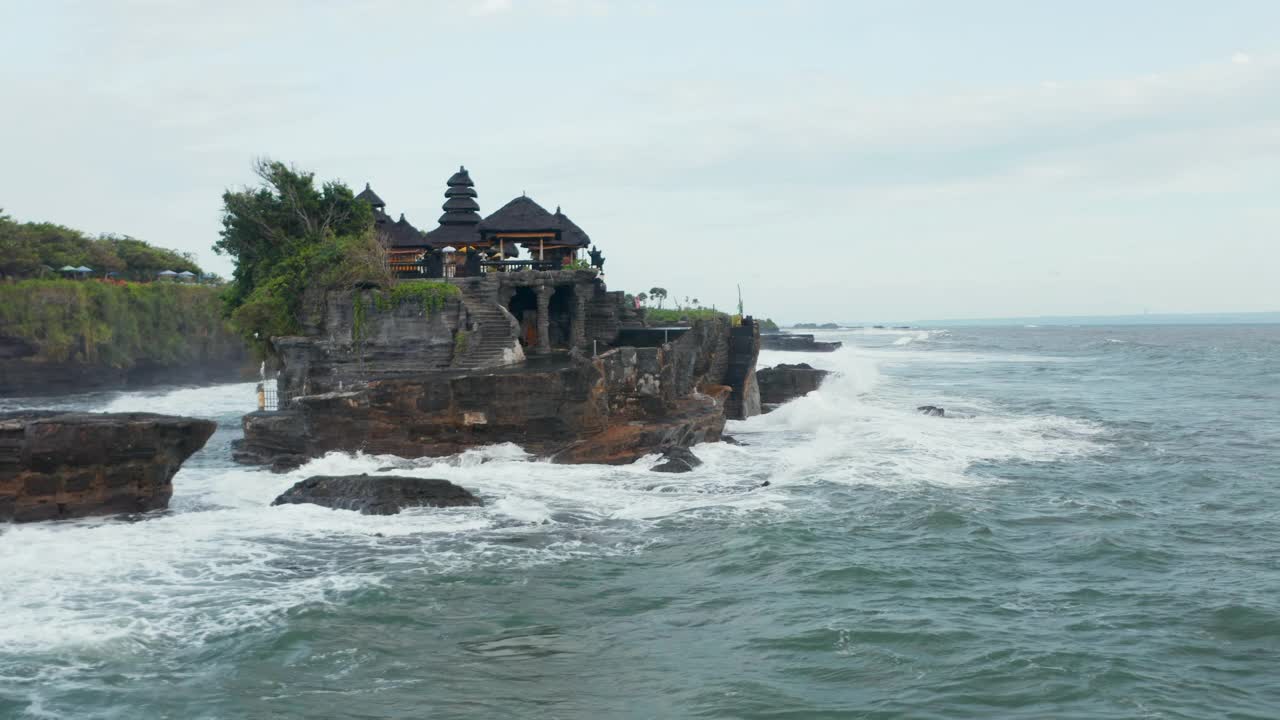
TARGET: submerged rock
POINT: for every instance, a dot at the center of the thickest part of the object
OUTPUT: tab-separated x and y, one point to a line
783	383
932	410
678	460
56	465
376	494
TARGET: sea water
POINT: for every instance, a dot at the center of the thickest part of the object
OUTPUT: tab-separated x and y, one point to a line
1092	531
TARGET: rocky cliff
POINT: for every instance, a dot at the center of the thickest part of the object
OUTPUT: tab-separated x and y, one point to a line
57	465
64	336
610	408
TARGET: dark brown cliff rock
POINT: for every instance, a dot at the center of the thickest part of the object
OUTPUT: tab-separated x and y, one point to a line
782	383
56	465
376	494
610	409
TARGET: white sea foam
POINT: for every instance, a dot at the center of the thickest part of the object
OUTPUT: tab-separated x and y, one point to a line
224	560
209	401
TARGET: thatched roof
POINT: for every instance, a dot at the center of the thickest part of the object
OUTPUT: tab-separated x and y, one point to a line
570	233
461	178
520	215
461	204
452	236
402	233
371	197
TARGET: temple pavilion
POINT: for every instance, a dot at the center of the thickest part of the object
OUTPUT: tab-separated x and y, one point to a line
463	244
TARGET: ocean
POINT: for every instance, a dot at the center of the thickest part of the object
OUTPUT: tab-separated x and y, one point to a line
1092	531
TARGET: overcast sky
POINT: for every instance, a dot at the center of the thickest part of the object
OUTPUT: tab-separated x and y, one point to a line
840	160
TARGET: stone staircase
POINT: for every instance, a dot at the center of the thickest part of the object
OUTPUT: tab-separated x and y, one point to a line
492	335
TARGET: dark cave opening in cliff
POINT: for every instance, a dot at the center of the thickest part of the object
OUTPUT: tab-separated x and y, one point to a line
560	314
524	308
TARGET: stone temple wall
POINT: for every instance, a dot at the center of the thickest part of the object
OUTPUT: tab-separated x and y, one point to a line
404	340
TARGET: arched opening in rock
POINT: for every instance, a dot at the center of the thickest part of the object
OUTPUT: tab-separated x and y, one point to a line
524	308
561	316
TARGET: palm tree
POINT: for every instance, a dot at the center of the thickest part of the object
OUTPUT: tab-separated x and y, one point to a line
659	294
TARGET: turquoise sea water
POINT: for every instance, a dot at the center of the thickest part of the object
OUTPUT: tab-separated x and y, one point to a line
1092	532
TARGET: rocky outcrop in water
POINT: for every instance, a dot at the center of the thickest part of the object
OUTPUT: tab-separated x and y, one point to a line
932	410
677	460
56	465
783	383
796	343
614	408
376	494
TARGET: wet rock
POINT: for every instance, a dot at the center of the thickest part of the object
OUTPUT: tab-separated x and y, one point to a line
782	383
376	495
796	343
56	465
678	460
932	410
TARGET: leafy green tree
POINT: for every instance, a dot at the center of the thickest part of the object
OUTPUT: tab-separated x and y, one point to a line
266	230
18	255
289	238
56	246
659	294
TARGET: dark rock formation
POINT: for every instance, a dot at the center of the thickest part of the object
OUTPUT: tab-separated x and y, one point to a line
932	410
796	343
613	408
376	494
740	375
782	383
677	460
57	465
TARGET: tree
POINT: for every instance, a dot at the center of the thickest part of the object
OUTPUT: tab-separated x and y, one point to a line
641	297
288	237
282	218
659	294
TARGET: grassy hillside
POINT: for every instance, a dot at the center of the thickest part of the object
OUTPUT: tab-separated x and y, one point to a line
117	325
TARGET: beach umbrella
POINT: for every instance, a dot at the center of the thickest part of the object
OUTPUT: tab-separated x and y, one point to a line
167	273
449	249
66	268
186	274
83	269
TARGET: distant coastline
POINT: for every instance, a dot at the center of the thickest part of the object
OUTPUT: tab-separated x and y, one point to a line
1237	318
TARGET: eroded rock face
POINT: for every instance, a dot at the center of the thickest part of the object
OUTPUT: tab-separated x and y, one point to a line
614	408
783	383
376	494
56	465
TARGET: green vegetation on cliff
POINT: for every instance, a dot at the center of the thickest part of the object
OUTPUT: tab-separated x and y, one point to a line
35	249
658	316
291	240
119	325
430	295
